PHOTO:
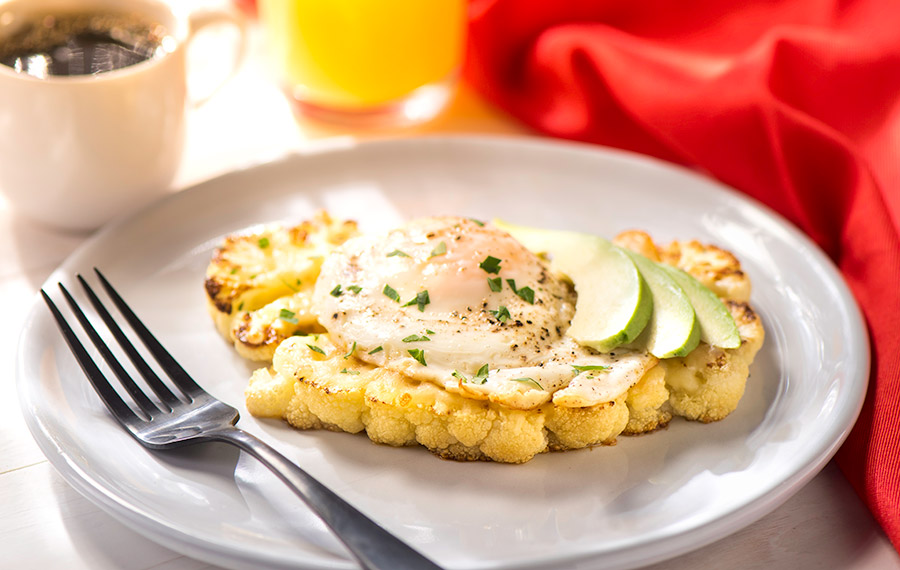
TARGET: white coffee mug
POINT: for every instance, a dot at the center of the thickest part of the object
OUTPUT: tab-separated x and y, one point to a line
79	150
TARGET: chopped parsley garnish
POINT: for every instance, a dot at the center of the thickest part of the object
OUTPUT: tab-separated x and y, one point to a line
288	316
418	354
440	249
495	283
490	264
501	314
479	378
429	331
531	381
240	306
415	338
376	350
234	270
391	293
336	292
526	293
291	287
354	288
482	374
421	299
351	351
263	242
315	348
348	371
398	253
478	223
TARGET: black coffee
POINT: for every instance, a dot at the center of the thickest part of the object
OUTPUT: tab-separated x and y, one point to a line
81	43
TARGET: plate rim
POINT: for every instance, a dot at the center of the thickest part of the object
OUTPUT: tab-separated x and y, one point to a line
153	528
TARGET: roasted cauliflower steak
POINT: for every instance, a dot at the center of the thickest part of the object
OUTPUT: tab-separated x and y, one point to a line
259	286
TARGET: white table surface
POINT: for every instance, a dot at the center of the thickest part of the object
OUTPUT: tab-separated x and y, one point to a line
46	524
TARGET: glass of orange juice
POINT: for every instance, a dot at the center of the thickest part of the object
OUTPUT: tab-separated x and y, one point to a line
366	62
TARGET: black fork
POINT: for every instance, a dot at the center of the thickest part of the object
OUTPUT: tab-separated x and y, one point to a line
194	416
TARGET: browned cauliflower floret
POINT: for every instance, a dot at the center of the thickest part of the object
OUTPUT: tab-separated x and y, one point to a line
646	403
259	284
330	391
708	383
716	268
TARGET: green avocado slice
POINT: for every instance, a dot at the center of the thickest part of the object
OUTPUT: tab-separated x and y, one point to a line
614	302
717	326
673	329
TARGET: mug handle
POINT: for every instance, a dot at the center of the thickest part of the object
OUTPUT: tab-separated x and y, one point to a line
212	17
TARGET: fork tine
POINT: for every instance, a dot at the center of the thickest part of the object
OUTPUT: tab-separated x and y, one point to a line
137	394
106	392
148	374
178	375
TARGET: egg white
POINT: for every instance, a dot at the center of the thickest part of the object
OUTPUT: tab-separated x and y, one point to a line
431	301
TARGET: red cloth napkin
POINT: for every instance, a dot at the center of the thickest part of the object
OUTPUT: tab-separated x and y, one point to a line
795	102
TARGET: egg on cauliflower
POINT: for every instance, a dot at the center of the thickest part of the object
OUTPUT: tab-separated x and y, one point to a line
450	334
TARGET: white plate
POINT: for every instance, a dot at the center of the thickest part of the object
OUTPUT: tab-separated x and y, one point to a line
640	501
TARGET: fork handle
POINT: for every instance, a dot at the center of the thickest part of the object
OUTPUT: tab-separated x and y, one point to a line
373	546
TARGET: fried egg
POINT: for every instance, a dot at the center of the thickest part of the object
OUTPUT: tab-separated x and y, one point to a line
464	305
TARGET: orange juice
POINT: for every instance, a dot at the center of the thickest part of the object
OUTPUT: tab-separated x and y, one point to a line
363	54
